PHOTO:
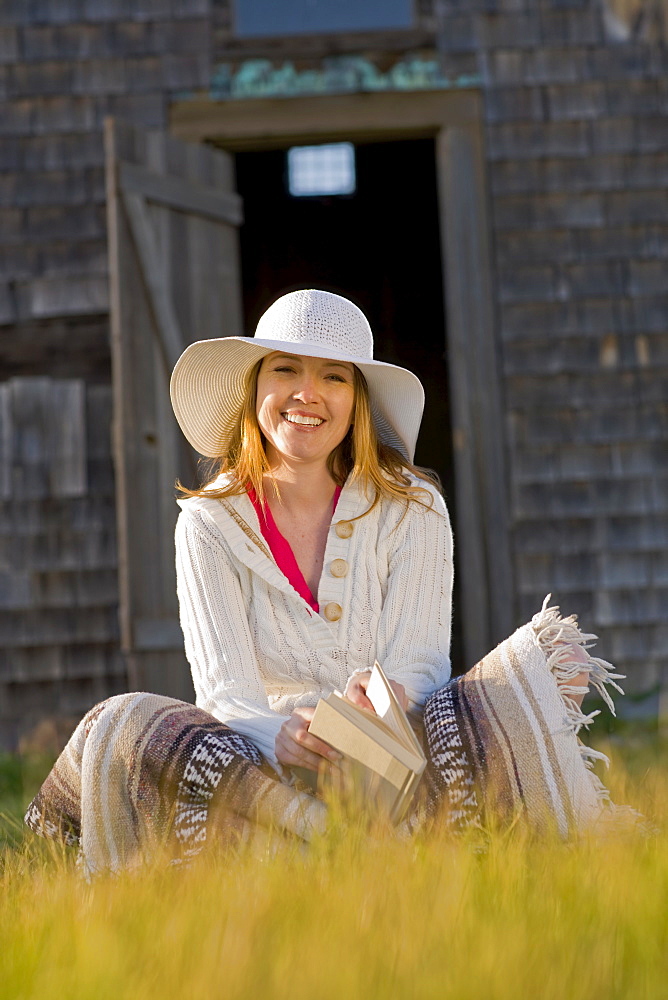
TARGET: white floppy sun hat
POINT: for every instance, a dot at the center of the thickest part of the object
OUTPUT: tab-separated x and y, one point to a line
207	386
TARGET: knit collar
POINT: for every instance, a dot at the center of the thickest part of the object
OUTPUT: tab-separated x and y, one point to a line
237	521
353	501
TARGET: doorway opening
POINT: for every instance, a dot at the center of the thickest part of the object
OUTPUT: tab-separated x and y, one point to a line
380	247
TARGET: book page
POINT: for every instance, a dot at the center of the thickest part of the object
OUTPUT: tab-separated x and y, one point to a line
387	707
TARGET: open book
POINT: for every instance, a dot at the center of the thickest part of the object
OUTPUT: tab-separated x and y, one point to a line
382	758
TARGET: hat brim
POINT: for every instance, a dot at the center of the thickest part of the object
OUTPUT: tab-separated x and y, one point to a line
207	391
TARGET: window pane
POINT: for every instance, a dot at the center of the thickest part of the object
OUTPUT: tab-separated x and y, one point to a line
295	17
321	170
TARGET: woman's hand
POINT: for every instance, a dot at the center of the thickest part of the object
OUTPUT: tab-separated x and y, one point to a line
356	691
296	747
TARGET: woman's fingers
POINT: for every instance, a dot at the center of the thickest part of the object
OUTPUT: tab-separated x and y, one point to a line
298	726
311	744
292	754
296	746
356	690
358	697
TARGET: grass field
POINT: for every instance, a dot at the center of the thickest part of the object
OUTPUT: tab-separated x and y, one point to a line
495	917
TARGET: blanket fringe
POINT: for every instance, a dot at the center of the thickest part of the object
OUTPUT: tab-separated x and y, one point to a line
557	636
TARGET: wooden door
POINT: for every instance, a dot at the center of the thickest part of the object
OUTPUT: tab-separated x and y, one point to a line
174	278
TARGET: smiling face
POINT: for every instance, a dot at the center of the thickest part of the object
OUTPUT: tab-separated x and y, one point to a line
304	406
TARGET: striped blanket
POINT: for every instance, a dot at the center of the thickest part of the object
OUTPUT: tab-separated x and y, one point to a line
144	774
504	737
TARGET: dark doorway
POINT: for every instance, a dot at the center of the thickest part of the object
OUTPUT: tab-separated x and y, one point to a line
380	247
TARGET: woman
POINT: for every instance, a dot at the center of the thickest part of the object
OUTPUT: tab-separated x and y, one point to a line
370	535
317	548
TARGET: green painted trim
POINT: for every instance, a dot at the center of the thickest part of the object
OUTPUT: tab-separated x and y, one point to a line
341	75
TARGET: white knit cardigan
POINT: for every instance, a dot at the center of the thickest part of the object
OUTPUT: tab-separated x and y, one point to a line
257	650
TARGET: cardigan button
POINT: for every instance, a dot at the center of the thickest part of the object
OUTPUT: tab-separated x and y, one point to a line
344	529
333	611
338	567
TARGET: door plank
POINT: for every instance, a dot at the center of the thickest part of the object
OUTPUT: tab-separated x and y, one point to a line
196	198
167	245
167	324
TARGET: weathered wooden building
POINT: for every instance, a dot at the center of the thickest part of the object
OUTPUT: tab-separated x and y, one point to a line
507	235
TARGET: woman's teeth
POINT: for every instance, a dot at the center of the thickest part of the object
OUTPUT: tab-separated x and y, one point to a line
311	421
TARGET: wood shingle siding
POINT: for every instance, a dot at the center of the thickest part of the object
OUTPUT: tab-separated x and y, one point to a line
58	553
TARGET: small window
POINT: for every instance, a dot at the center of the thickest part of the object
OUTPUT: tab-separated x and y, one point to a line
321	170
254	18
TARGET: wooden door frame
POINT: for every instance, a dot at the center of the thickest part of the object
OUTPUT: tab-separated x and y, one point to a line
455	120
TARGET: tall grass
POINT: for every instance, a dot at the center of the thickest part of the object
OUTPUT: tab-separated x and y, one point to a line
498	916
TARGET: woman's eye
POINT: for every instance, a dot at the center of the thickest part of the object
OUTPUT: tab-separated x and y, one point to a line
336	378
284	368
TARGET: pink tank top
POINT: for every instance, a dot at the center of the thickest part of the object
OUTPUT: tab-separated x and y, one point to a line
281	549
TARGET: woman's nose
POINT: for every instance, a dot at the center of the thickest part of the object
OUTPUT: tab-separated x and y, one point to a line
307	391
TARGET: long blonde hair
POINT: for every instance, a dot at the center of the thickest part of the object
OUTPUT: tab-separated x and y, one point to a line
360	456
